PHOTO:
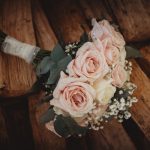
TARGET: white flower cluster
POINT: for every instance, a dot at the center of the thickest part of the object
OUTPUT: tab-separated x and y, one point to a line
118	106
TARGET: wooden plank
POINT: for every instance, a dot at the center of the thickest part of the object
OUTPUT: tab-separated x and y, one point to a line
144	62
100	11
43	138
105	138
44	33
133	18
141	110
113	136
16	20
68	13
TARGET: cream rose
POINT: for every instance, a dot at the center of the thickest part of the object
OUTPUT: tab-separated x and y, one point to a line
106	34
73	96
119	75
89	63
104	90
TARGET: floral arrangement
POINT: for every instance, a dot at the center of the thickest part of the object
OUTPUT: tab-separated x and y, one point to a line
87	83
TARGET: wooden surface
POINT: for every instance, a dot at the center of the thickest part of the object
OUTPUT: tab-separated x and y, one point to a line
46	22
16	20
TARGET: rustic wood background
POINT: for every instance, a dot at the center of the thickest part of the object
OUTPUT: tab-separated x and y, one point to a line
45	22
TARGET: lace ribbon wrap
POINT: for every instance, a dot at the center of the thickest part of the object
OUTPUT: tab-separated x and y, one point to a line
14	47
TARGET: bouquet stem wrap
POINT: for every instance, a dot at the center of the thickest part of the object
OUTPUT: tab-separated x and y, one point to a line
14	47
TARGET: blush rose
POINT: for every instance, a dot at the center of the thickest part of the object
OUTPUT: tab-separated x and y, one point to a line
119	75
73	96
107	34
89	63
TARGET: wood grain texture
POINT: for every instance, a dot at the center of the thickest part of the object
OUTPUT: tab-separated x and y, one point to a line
72	20
133	17
141	110
44	33
16	20
106	137
100	11
43	138
144	62
113	136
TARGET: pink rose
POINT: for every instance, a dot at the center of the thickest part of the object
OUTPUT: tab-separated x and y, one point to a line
107	34
111	52
89	63
73	96
112	55
119	76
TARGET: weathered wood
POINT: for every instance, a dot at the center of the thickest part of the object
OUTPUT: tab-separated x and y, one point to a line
68	13
113	136
144	62
16	20
100	11
141	110
44	33
43	138
66	33
133	18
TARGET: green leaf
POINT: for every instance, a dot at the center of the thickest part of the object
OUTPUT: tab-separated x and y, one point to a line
57	53
55	72
66	126
45	65
47	116
132	52
62	64
54	75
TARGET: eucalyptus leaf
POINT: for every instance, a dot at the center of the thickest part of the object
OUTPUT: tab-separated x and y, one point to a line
57	53
132	52
47	116
66	126
55	72
54	75
45	65
62	64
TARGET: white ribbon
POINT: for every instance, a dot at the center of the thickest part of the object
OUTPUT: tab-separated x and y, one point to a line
20	49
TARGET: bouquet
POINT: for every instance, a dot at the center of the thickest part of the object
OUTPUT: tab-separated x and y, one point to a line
86	83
